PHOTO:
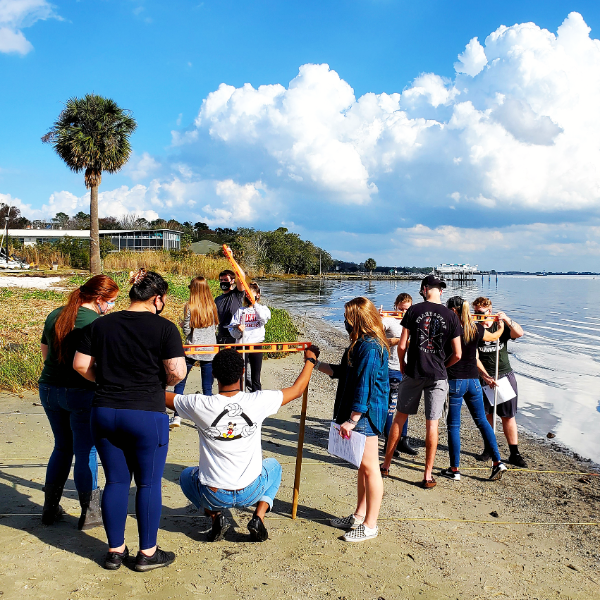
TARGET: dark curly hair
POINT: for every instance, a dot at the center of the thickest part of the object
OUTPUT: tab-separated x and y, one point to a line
146	284
228	366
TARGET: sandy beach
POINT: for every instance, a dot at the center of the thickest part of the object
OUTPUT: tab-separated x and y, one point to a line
535	534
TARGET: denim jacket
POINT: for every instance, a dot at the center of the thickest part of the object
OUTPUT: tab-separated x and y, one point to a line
363	386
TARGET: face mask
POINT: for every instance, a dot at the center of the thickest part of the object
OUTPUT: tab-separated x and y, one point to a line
225	286
161	308
348	326
109	305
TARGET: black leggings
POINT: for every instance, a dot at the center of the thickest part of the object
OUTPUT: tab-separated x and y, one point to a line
254	361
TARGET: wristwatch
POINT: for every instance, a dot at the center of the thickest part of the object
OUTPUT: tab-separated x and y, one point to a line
312	360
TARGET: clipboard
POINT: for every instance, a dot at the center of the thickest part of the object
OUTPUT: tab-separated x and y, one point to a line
351	449
505	392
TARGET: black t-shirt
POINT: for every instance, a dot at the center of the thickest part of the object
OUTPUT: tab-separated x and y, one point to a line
466	367
227	306
487	353
129	348
431	326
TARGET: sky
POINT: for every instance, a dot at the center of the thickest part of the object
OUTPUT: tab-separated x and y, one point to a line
413	133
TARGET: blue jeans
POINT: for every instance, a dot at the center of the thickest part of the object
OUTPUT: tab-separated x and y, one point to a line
262	489
205	373
131	443
68	410
395	379
470	390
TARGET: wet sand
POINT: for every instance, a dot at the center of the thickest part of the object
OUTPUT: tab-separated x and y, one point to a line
440	543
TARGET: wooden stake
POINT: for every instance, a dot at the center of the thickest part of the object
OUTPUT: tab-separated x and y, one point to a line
299	453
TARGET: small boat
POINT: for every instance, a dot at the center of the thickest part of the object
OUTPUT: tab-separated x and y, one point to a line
544	274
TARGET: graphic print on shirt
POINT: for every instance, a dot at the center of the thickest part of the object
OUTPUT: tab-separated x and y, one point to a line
431	331
226	427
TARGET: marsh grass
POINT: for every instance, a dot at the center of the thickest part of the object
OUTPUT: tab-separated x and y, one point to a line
23	313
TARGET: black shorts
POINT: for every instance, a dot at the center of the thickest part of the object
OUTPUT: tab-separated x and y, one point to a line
507	409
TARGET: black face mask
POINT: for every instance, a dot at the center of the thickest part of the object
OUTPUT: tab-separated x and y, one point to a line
348	327
161	308
225	286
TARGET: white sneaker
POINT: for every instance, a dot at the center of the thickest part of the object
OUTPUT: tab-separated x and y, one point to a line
174	421
351	522
360	534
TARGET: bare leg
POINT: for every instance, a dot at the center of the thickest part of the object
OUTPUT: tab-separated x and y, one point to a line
509	424
393	438
373	481
431	442
361	503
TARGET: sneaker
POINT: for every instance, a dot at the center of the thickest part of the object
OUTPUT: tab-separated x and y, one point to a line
174	422
497	472
484	456
114	560
257	529
450	474
160	558
360	534
517	460
351	522
219	529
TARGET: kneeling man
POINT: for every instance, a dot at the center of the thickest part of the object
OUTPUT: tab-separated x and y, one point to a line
231	472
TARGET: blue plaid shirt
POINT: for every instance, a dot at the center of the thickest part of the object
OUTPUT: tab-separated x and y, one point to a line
364	386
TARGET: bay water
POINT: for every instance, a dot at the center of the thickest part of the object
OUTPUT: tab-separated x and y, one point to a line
557	361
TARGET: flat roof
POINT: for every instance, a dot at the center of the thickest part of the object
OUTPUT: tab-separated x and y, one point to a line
77	232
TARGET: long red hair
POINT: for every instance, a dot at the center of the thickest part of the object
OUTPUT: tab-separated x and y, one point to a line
99	285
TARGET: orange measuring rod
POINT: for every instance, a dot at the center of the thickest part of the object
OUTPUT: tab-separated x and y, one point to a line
248	348
239	276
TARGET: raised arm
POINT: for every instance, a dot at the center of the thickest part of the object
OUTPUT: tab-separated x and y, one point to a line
296	390
85	365
175	369
239	278
516	331
488	336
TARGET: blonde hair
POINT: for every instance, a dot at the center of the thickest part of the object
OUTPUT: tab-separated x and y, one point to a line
365	320
202	307
469	327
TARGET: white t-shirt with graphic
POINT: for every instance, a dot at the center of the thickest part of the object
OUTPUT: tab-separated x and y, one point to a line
229	429
392	329
254	319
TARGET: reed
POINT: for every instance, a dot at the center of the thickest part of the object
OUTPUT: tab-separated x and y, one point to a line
176	263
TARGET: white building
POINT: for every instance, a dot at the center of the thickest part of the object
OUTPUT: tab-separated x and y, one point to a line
135	240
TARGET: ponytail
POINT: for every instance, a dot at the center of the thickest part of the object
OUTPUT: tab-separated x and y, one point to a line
469	327
99	285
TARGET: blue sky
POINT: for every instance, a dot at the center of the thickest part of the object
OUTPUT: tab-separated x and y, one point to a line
368	136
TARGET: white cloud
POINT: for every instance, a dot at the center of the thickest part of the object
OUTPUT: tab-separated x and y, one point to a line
521	132
142	167
16	15
472	60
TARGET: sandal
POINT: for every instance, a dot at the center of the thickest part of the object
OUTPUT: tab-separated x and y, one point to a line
385	473
427	484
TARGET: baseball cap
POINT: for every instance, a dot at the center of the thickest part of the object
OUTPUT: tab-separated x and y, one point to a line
432	281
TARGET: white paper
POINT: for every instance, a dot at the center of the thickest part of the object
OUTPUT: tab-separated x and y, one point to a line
350	449
505	392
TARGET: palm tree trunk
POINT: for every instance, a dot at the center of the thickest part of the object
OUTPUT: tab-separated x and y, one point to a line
95	265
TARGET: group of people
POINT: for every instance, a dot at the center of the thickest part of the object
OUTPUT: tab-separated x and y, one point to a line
104	384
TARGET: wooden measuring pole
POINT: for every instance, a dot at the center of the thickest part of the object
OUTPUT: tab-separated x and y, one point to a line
299	453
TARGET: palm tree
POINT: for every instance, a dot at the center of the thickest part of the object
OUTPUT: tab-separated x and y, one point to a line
92	133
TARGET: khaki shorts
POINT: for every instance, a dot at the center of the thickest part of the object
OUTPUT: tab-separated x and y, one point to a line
435	392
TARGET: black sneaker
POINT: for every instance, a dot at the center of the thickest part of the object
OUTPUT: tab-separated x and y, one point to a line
257	529
517	460
114	560
484	456
160	558
450	474
219	529
497	472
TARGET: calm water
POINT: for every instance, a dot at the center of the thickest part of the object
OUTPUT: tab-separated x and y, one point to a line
557	360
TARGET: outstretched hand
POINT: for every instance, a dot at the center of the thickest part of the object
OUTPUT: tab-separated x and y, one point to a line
312	352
